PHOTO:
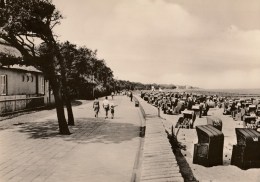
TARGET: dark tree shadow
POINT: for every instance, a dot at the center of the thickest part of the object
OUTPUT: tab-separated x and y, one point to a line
86	130
76	103
37	130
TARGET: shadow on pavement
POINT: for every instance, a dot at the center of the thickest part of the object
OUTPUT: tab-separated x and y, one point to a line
76	103
86	130
43	130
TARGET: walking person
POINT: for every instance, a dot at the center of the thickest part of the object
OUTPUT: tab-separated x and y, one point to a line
112	95
106	106
131	96
112	109
96	106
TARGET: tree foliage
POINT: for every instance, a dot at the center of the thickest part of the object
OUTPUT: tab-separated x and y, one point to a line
24	24
84	71
128	85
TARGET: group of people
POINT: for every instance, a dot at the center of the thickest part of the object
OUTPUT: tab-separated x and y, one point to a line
247	110
106	106
175	103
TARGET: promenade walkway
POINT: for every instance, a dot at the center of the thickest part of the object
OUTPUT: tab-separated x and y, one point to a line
98	149
158	161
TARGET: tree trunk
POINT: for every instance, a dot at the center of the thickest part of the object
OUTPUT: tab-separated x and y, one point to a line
63	126
65	88
69	111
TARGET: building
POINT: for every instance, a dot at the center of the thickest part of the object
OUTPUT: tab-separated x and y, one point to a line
23	88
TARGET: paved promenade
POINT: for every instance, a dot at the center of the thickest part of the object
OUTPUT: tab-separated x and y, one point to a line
158	161
98	150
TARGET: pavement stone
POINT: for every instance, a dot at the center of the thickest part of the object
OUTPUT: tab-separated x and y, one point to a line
98	149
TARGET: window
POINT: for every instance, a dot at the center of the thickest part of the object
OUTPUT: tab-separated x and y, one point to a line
42	85
3	84
23	78
31	78
47	86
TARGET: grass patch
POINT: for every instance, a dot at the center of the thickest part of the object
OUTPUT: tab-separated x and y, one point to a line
185	169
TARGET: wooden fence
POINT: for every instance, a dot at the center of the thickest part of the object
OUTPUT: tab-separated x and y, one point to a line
8	106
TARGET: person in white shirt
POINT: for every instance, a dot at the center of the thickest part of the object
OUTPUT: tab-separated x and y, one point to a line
112	95
106	106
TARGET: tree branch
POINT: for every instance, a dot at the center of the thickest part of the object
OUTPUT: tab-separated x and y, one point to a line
53	25
31	47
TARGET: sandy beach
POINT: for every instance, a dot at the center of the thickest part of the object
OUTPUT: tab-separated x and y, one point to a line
226	172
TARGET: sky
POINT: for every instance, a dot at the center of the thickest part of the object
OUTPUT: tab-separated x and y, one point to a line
207	44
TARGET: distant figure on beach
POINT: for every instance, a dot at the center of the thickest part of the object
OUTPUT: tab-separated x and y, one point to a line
131	96
112	109
96	106
106	106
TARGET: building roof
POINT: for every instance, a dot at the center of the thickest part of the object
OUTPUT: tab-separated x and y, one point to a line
24	68
13	51
9	50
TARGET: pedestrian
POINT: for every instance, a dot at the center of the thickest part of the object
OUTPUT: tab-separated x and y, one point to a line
131	96
112	95
96	106
112	109
106	106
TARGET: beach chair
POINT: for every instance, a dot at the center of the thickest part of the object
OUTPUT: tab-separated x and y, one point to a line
208	151
215	122
197	110
187	120
251	109
245	154
258	110
250	122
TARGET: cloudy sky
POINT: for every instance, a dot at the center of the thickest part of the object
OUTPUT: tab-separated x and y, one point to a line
209	44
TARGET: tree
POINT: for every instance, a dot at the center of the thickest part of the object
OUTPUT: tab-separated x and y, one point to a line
23	24
63	79
77	64
104	74
84	70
